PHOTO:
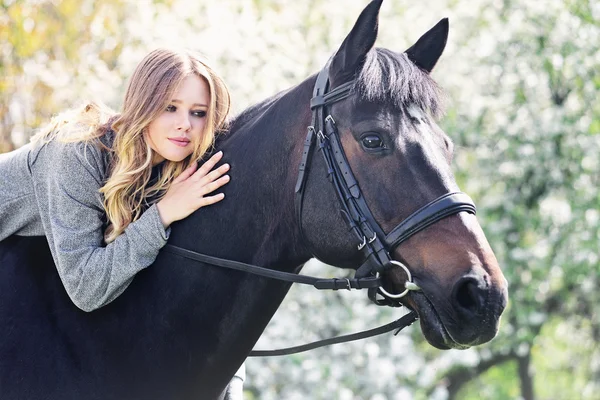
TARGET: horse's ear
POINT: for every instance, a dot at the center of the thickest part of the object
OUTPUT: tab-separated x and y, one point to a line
428	49
351	55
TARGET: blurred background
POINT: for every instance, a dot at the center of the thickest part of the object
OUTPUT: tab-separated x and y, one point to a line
522	80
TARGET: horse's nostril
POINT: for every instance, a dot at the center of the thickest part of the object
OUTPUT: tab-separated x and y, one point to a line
469	294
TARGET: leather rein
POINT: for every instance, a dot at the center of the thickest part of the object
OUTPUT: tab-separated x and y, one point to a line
373	243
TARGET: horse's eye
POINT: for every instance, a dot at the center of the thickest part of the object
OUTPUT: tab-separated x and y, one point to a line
372	142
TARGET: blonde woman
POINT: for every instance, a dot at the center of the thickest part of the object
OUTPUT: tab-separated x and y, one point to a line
104	189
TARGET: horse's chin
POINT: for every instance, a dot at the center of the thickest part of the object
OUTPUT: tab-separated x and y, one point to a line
432	326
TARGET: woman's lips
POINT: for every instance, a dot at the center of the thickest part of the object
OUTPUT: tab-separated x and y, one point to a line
179	142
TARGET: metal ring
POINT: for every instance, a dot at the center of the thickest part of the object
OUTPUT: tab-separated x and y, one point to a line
409	284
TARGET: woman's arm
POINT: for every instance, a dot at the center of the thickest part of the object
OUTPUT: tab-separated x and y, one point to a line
72	212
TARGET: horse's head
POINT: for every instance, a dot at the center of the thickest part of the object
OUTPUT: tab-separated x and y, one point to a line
401	160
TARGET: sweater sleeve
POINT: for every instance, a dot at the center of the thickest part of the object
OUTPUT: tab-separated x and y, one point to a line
92	273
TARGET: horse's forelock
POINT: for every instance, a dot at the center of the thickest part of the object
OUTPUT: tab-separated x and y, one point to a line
391	77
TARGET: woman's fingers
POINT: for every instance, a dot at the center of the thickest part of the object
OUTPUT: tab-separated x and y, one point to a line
186	173
208	165
208	200
212	186
213	175
187	193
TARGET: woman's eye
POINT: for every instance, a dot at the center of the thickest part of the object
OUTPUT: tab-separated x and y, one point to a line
199	114
171	108
372	142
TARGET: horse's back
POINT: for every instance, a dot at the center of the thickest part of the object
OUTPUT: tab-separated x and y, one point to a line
30	300
132	348
27	279
43	333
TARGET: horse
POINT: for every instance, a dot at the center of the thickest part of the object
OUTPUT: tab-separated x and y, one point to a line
183	327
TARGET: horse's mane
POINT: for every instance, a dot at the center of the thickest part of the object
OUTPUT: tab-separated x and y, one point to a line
249	114
385	76
392	77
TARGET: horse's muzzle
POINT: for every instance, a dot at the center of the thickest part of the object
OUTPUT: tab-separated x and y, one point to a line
471	316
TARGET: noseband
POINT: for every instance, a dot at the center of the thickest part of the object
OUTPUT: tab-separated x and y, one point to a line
374	244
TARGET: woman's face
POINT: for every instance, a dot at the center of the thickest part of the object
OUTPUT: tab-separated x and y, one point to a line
173	133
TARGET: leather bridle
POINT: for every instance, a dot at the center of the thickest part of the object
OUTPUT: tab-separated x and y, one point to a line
374	243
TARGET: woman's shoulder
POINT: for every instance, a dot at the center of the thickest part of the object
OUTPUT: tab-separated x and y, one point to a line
72	161
107	138
78	140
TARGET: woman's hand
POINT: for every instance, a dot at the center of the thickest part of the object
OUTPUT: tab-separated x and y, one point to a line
188	191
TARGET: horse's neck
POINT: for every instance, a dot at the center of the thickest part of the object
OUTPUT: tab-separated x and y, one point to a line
226	311
256	222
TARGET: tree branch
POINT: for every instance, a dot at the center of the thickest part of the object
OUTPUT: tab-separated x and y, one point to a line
457	377
524	363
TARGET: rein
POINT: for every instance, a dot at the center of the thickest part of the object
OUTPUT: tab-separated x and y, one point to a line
373	242
318	283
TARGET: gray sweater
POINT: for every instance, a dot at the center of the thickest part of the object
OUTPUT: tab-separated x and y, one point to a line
52	190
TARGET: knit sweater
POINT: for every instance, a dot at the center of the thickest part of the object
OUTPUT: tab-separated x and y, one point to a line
52	190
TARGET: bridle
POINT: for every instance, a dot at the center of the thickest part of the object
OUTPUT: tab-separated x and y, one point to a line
374	243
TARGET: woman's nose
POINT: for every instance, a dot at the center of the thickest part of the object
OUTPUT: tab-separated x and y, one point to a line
184	124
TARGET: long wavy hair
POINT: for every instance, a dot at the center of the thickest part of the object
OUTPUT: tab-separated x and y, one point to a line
128	190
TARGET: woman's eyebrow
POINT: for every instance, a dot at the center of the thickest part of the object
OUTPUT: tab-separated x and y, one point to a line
194	105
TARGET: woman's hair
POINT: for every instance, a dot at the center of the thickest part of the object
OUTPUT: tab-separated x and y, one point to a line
154	82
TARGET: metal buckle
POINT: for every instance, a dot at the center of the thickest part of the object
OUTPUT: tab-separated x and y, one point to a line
363	244
321	136
409	284
373	238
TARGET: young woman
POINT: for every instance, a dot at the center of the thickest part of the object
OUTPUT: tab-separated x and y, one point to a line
104	189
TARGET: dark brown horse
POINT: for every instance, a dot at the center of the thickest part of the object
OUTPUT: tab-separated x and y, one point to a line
182	328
